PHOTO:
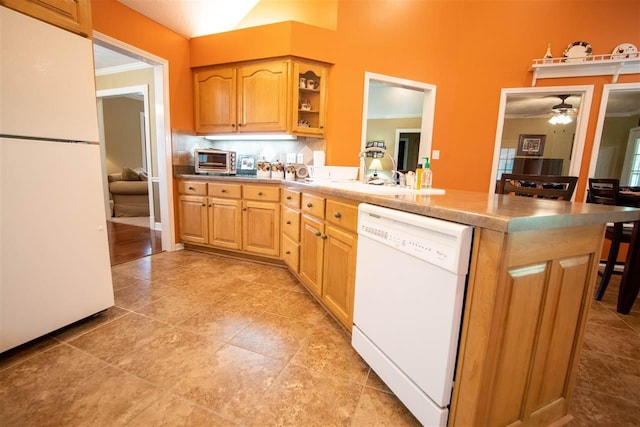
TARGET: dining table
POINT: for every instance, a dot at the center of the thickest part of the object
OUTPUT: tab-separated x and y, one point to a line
630	282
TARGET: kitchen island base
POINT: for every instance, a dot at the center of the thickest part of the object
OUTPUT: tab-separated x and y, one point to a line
527	304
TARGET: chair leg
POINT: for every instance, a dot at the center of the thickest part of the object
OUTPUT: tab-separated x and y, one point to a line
608	269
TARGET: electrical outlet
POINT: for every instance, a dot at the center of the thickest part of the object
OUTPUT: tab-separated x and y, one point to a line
435	154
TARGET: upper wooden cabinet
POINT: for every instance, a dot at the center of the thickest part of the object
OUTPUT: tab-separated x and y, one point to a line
72	15
309	98
215	96
237	99
263	92
261	97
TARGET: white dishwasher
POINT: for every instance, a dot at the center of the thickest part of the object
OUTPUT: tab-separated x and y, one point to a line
411	274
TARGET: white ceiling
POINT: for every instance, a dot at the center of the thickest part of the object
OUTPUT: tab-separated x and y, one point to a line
193	18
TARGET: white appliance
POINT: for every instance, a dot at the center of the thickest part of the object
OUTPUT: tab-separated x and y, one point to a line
410	281
54	253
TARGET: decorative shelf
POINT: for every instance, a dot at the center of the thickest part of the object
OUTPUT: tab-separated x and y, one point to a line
594	65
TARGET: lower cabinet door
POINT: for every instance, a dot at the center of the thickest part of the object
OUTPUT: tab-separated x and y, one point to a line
225	223
339	273
311	253
291	253
261	234
193	219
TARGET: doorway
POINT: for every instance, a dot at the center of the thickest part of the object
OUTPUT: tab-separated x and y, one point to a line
617	136
159	153
126	143
525	114
408	148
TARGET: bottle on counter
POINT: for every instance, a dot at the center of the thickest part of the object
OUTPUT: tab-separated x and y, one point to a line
427	175
418	181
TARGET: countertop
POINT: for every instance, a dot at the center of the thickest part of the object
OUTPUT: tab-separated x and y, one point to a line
491	211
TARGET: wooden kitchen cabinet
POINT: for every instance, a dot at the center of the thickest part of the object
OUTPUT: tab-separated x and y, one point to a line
263	93
225	223
215	100
215	221
193	219
261	220
261	96
528	299
242	98
312	253
309	99
339	273
328	253
72	15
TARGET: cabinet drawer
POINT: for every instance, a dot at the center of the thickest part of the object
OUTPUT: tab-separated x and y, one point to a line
227	191
262	193
192	187
342	214
291	223
313	205
291	198
291	253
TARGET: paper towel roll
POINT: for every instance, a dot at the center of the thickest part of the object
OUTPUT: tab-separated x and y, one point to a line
318	158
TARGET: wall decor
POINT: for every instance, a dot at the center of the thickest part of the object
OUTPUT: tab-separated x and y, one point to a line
531	145
378	144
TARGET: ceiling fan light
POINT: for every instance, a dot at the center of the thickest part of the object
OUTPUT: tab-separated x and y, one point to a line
561	119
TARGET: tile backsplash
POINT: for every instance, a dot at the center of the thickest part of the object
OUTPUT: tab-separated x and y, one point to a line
185	143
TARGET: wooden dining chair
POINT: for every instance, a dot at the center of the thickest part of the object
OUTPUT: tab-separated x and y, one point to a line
555	187
605	191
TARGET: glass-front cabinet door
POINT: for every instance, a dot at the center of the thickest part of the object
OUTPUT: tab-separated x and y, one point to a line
309	98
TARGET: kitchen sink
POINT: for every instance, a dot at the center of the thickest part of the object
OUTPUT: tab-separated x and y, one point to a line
386	190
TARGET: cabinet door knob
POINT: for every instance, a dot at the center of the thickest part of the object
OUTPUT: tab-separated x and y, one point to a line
288	222
223	191
323	237
191	188
259	193
244	209
287	252
321	127
288	197
204	204
210	205
239	124
309	204
318	233
337	215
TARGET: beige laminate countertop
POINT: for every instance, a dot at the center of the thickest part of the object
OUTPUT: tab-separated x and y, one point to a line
491	211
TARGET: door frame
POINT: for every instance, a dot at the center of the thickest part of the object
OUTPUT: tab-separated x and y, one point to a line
582	120
597	139
144	134
163	134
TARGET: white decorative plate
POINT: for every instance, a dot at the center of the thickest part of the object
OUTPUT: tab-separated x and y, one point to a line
577	51
624	50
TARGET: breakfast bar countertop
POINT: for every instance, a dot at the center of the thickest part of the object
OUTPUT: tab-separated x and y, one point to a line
491	211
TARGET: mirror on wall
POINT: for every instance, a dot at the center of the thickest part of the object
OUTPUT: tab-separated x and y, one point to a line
397	115
616	147
541	131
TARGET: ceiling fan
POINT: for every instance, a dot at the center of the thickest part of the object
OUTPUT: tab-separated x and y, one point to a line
563	107
562	111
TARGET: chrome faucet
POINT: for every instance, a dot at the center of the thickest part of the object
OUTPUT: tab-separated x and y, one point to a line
363	165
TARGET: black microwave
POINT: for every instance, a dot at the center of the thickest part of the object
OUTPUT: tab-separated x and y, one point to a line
212	161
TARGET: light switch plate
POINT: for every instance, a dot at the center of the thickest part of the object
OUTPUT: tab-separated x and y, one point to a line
435	154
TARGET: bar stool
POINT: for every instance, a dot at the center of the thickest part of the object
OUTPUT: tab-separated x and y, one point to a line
604	191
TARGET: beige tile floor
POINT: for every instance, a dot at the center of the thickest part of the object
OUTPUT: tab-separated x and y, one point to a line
202	340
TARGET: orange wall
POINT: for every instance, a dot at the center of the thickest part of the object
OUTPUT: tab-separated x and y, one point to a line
469	49
118	21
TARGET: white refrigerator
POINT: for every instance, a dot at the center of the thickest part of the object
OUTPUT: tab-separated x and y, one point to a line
54	253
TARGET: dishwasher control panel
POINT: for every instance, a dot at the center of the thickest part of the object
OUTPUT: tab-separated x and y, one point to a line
433	240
